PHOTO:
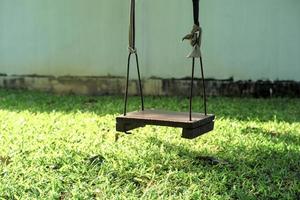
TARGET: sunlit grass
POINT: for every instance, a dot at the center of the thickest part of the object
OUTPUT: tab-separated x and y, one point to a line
66	147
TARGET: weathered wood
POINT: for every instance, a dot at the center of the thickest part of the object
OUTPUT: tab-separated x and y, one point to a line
166	118
199	125
124	127
196	132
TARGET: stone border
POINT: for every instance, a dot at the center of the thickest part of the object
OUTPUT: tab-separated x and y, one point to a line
152	86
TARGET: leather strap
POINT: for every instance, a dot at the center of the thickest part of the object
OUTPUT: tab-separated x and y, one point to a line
196	12
132	27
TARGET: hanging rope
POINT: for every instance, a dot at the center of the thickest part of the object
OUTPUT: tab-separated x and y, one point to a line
195	40
131	46
195	37
132	50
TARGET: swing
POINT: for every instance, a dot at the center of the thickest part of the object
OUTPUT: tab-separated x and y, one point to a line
192	124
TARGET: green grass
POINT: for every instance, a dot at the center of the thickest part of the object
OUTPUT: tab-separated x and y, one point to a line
66	147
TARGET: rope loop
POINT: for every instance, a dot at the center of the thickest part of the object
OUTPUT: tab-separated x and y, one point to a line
132	50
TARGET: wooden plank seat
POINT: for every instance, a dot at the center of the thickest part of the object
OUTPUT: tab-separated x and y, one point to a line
199	125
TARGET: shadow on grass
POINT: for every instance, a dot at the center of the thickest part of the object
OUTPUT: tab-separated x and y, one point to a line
195	158
242	109
274	136
267	169
254	173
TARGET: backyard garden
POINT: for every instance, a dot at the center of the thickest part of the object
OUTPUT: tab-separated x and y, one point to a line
66	147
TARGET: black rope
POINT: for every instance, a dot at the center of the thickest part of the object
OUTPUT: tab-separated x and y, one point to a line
140	82
203	83
127	82
196	22
132	50
192	87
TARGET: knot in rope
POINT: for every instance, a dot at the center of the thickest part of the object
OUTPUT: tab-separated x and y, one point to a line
132	50
194	36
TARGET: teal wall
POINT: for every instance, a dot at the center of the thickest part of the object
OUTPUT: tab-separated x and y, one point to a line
257	39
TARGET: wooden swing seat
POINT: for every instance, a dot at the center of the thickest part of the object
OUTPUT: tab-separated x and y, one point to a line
199	124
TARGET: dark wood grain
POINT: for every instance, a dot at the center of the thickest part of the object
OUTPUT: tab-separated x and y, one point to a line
166	118
199	125
196	132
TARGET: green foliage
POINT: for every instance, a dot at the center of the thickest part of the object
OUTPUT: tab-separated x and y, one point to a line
66	147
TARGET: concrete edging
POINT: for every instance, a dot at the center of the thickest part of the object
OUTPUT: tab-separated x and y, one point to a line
152	86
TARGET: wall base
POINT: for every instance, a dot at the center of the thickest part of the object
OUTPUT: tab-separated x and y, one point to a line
163	87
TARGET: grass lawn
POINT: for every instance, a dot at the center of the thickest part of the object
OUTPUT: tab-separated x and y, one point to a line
66	147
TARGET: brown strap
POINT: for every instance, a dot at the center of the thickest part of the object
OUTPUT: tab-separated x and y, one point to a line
132	27
196	12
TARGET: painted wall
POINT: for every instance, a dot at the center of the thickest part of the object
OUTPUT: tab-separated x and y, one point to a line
257	39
